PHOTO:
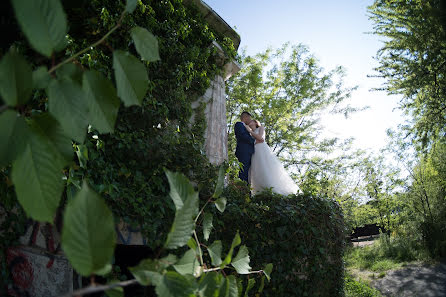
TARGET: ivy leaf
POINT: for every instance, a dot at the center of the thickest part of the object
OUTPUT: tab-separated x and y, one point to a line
233	287
183	224
180	188
173	284
251	283
67	105
116	291
56	136
220	184
131	78
146	44
267	270
235	242
241	261
221	204
130	5
15	79
207	225
37	176
14	134
88	235
187	264
41	78
147	272
70	72
44	24
103	104
215	252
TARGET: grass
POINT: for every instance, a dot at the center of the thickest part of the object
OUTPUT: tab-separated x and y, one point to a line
354	288
384	255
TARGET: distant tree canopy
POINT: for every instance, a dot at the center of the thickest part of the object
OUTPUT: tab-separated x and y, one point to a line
413	61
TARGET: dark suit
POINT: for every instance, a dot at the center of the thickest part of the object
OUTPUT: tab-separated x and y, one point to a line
244	150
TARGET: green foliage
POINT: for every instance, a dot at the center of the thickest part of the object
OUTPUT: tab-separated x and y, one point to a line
146	44
355	288
15	79
44	24
88	235
302	235
412	61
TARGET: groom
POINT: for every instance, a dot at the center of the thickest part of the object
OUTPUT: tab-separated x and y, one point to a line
245	144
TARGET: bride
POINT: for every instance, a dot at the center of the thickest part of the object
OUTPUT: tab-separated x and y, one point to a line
266	169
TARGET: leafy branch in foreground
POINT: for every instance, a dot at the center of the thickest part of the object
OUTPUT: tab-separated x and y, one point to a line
39	147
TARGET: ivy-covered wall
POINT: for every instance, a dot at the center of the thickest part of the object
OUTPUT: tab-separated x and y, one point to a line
302	235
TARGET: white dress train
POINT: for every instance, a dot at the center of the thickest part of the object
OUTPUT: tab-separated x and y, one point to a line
267	171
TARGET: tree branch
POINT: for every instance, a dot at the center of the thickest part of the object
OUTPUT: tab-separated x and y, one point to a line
94	289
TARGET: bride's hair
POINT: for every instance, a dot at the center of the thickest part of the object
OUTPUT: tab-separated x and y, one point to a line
257	123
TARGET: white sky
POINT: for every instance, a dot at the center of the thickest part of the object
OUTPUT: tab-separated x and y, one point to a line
335	32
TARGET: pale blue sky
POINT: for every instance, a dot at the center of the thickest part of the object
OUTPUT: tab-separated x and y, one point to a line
335	32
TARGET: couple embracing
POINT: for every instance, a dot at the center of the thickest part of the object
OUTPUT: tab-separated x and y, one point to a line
261	168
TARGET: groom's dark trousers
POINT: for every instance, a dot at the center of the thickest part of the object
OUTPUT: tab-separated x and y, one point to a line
244	150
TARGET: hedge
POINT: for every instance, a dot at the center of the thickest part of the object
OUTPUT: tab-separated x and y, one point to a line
303	236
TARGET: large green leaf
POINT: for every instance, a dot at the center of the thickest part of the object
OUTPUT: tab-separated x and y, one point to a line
15	79
51	128
180	188
173	284
103	103
241	261
208	285
88	234
207	225
44	24
224	287
147	272
131	78
37	176
41	78
71	72
187	264
146	44
235	242
215	252
68	105
130	5
233	287
183	224
221	204
220	183
14	135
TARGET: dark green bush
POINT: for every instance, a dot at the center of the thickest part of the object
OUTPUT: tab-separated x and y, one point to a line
303	236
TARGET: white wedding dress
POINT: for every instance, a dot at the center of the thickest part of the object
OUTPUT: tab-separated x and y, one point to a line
267	171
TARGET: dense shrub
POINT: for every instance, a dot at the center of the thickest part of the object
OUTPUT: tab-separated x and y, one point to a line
303	236
355	288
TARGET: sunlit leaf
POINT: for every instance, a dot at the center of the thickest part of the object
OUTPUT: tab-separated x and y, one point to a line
207	225
221	204
103	103
241	261
131	78
187	264
146	44
215	252
88	235
15	79
44	24
267	270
